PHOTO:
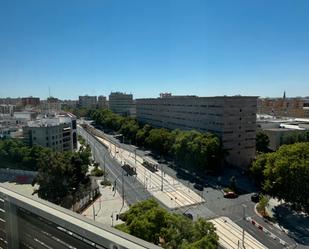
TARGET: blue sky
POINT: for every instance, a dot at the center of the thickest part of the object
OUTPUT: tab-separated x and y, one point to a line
144	47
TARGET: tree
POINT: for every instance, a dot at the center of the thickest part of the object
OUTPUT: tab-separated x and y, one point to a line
197	150
142	134
261	207
257	168
160	140
129	129
295	137
150	222
262	142
285	173
191	149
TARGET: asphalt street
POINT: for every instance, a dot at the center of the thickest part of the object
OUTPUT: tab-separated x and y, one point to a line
133	190
215	205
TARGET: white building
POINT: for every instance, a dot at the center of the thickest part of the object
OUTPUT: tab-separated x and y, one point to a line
57	132
282	130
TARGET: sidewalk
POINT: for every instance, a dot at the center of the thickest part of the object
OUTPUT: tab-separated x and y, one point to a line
106	207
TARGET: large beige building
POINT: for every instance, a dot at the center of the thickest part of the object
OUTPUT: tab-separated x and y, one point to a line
233	119
121	103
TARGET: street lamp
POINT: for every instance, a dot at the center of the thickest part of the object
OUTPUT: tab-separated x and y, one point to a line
243	230
93	211
104	166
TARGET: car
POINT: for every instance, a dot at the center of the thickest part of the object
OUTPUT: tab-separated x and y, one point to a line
255	197
198	186
188	215
230	195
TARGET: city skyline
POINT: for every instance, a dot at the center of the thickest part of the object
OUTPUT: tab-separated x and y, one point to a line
199	48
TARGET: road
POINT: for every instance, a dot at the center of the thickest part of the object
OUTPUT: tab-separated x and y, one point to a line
133	190
214	207
163	187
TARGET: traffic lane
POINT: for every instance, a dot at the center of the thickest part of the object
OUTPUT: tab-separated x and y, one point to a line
218	204
259	235
144	194
132	193
129	147
276	231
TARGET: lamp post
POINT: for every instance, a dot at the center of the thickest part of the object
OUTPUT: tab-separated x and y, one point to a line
104	175
243	230
93	211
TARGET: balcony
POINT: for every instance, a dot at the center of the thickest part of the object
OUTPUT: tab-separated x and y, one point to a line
30	222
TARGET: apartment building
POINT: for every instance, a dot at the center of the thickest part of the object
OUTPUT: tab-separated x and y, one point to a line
233	119
10	101
7	110
87	101
284	107
58	132
121	103
30	101
102	102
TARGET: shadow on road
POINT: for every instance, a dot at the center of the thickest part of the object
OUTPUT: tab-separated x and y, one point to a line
296	222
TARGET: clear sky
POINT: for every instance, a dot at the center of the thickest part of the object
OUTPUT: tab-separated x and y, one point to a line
144	47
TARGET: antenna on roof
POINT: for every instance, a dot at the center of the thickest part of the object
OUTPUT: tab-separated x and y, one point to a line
48	102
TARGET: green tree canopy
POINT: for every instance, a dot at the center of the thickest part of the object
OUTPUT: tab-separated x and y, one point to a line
285	173
197	150
150	222
191	149
262	142
59	174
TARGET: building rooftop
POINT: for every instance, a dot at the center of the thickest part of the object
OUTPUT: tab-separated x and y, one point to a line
199	97
44	121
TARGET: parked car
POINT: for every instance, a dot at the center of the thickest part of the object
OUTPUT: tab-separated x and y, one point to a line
198	186
188	215
230	195
255	197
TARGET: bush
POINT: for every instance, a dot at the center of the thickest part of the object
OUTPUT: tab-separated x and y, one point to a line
105	183
96	171
261	207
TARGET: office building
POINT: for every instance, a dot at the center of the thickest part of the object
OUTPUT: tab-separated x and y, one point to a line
30	101
69	103
87	101
102	103
57	132
50	105
233	119
121	103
